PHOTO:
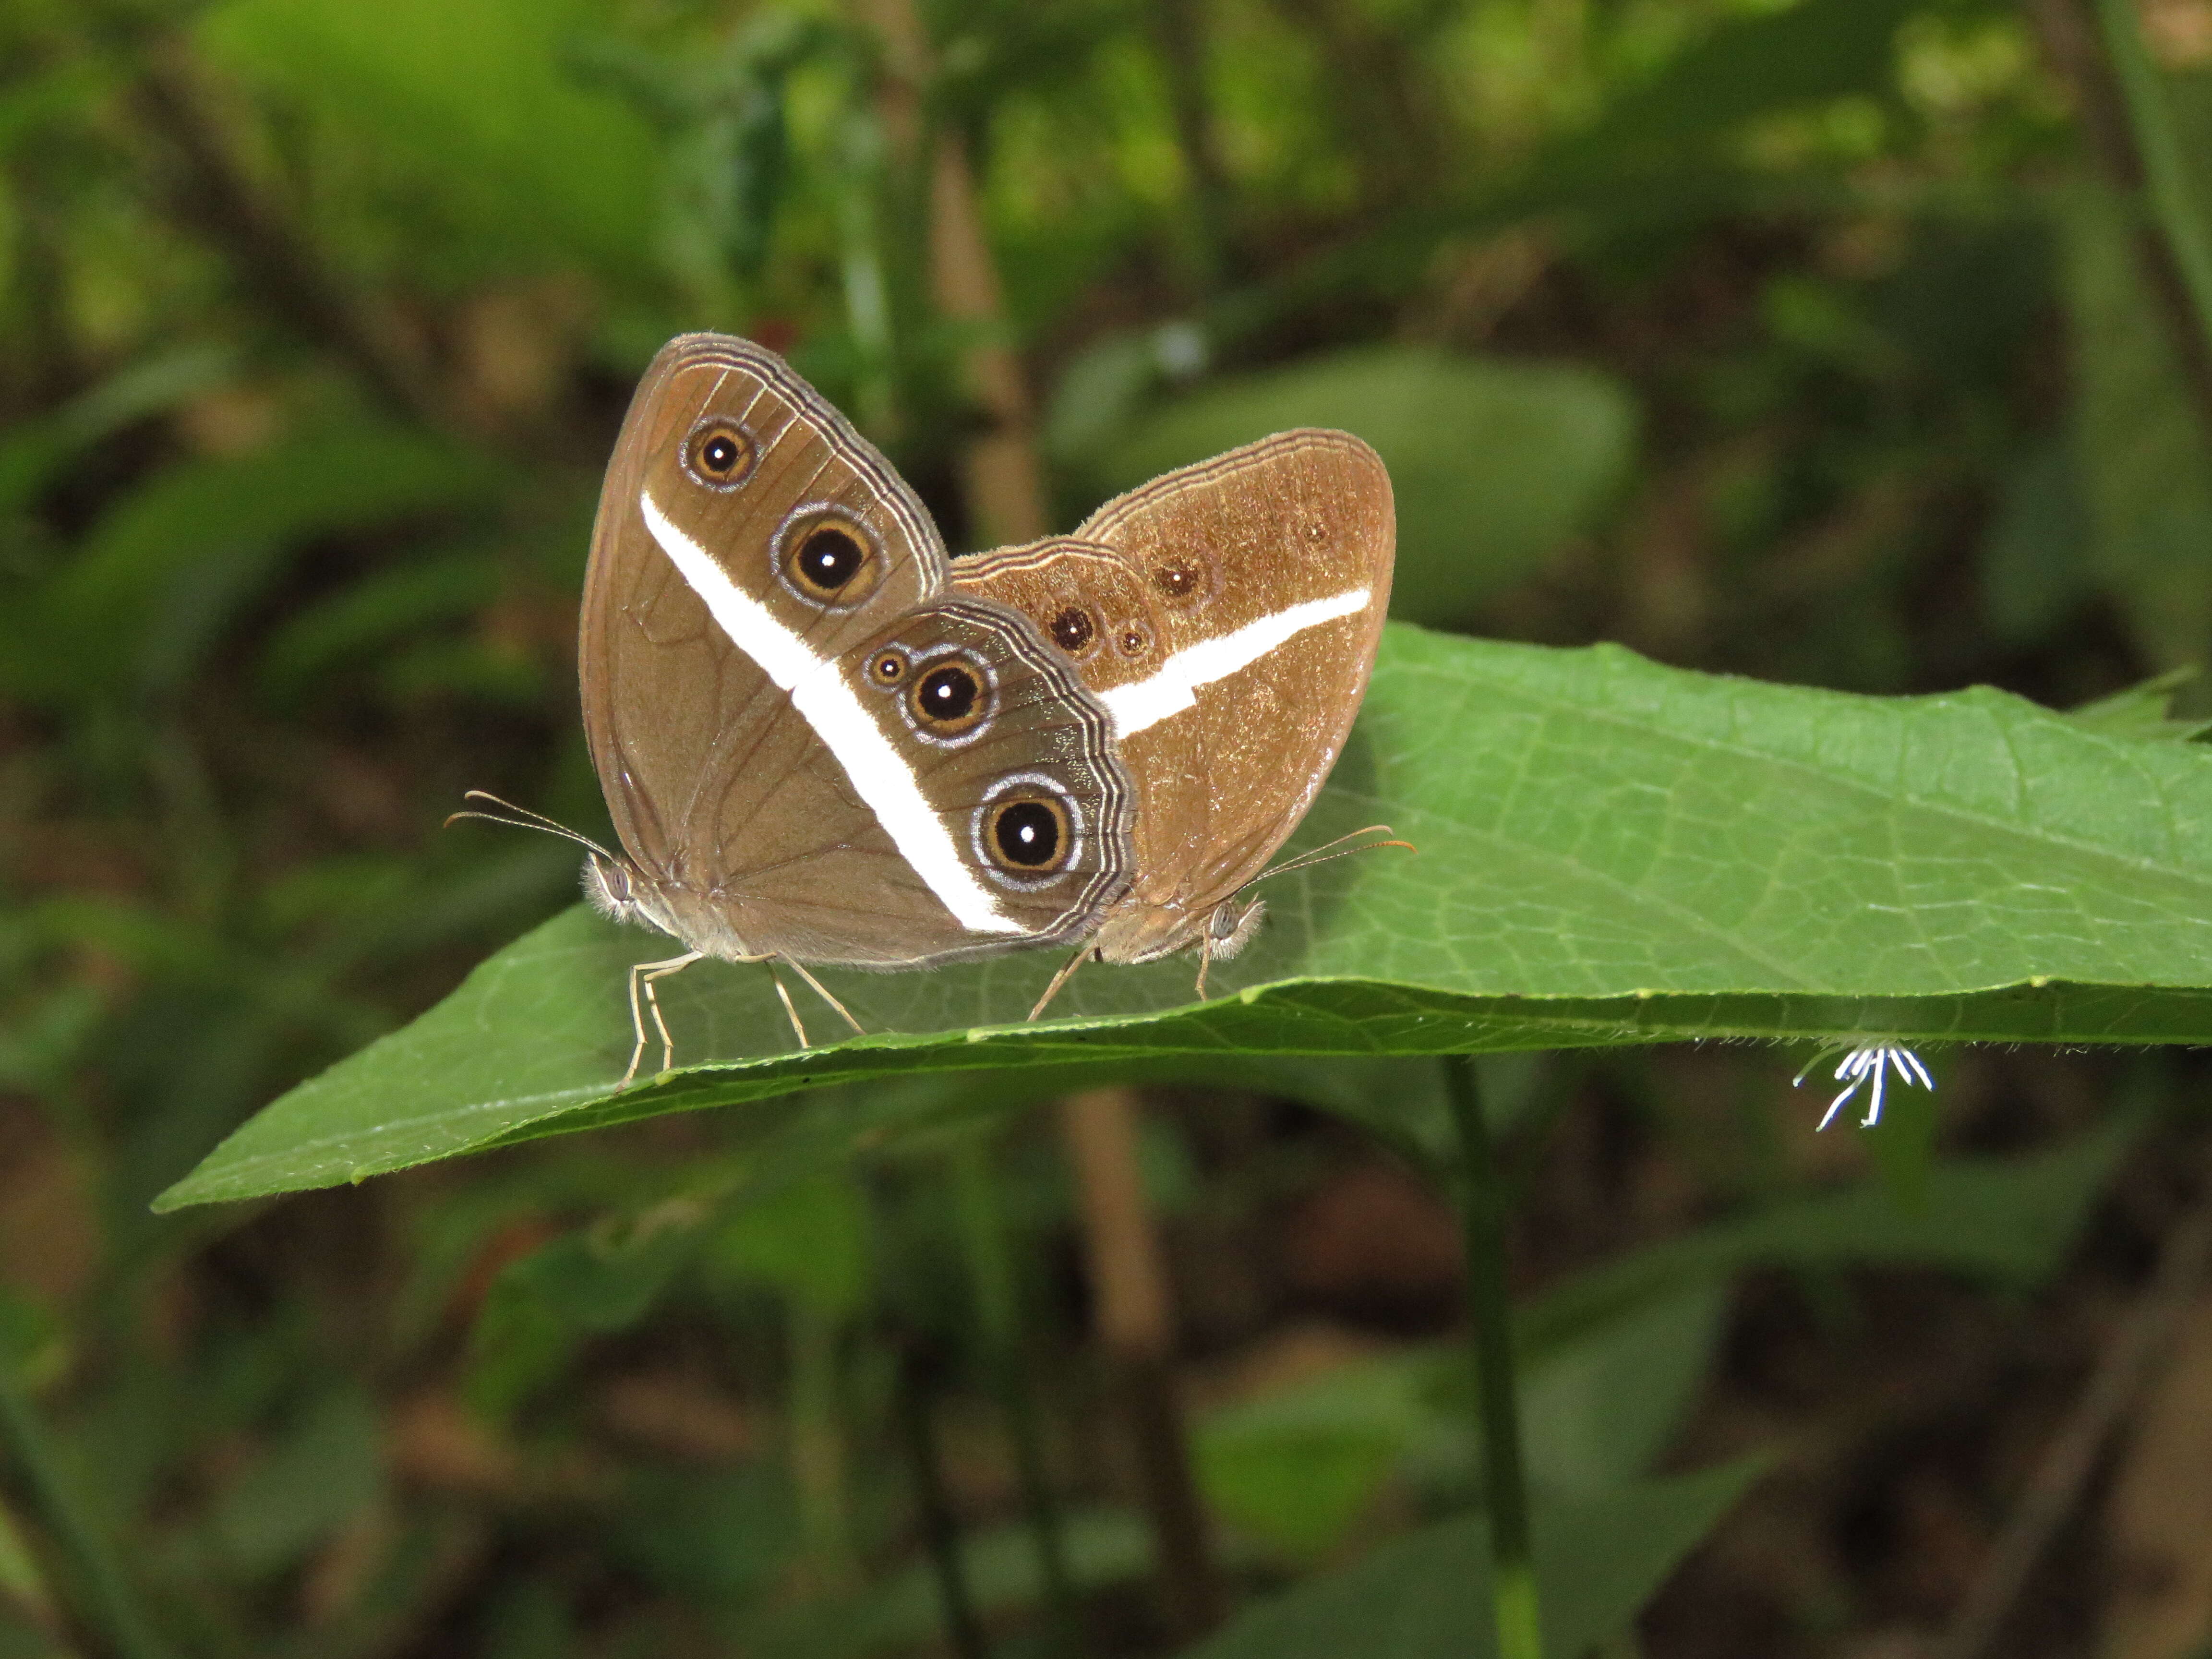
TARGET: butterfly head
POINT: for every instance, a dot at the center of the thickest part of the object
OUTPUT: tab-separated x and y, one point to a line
1231	926
611	887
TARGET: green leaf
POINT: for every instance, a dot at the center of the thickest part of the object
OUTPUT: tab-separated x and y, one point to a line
1493	464
588	1282
1104	1547
2034	562
320	1475
2008	1221
1746	68
1612	852
1298	1467
2144	711
2146	468
31	451
469	111
160	577
369	618
809	1240
1598	1561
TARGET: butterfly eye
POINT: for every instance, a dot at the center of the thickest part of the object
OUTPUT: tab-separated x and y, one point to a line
1074	629
949	699
827	558
720	453
1029	835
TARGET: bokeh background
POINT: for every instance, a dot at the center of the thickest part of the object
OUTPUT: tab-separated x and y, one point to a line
1823	342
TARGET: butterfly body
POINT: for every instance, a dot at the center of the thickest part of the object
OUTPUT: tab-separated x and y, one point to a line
822	740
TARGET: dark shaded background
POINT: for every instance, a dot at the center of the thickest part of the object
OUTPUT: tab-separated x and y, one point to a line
1821	342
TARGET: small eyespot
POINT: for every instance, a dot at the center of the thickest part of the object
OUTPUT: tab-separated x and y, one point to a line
949	699
1074	629
1176	581
1316	531
828	558
720	453
1028	834
1133	641
887	668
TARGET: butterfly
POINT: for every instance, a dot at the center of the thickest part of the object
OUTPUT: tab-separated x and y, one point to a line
822	740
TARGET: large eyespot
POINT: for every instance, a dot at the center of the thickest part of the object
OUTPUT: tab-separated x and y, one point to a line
1028	834
949	698
1028	830
720	453
1074	629
826	557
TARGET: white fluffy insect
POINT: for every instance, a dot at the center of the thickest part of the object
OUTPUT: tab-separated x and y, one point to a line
1868	1068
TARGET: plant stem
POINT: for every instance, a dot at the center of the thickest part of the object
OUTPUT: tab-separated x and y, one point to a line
112	1606
1512	1560
818	1447
2122	112
941	1531
999	1307
2173	203
1130	1279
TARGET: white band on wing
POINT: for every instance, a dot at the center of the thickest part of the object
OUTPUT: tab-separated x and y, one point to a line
1147	702
819	692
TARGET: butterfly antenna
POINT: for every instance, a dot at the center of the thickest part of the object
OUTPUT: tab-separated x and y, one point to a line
1334	849
521	817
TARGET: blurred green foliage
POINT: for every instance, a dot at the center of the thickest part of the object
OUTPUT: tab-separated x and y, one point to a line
1823	342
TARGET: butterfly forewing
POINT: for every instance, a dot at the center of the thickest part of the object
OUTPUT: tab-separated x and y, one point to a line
752	559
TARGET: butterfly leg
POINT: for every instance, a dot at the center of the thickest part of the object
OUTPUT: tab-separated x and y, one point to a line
1067	969
644	974
823	991
790	1012
1205	959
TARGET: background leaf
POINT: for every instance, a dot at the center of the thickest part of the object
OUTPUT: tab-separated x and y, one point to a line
1428	1593
1493	464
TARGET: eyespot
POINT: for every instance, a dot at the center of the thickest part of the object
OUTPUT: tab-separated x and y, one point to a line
1074	629
1316	530
1133	641
887	668
720	453
1177	580
949	697
1028	834
826	557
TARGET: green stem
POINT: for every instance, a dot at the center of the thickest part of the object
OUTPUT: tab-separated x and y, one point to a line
1505	1490
999	1319
111	1606
817	1446
941	1531
2174	202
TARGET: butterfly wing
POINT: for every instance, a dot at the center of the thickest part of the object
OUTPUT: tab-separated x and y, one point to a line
754	562
1262	578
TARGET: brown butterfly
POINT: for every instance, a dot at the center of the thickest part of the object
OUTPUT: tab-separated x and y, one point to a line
824	741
